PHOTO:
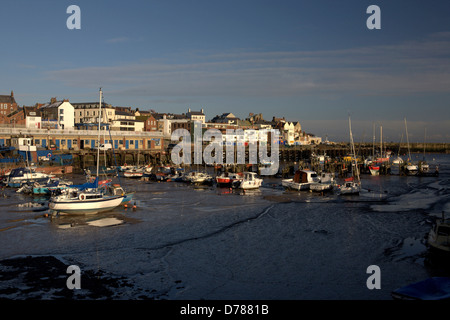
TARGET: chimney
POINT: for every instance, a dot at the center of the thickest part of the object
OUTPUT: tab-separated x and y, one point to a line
202	111
12	94
53	100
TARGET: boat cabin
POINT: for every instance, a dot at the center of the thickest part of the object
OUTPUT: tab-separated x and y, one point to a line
305	176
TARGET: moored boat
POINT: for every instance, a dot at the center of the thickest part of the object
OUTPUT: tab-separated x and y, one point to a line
87	198
227	179
439	237
302	180
249	181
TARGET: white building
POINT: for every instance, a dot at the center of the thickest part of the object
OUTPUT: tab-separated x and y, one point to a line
57	115
66	116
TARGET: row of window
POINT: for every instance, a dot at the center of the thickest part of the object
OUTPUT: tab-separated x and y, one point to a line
88	142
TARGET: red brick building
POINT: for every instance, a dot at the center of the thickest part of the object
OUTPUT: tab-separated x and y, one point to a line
7	106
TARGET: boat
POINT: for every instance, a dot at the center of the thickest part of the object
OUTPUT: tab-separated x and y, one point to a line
439	237
198	178
87	198
374	170
134	172
409	168
19	176
51	186
302	180
326	183
352	185
435	288
397	160
116	189
249	181
227	179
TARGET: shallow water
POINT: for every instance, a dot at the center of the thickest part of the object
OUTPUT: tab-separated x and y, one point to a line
183	242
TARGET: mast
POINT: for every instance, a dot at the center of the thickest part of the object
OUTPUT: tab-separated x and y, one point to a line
99	121
381	141
407	141
373	142
353	149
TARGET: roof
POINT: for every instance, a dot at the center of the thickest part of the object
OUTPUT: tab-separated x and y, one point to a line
7	99
123	113
196	113
29	111
52	105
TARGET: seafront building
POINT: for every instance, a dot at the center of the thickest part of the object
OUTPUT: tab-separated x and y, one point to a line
64	125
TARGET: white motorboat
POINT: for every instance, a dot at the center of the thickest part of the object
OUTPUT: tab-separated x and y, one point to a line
25	174
326	183
302	180
350	187
196	177
250	181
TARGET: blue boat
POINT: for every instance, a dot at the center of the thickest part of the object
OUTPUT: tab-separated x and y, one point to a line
436	288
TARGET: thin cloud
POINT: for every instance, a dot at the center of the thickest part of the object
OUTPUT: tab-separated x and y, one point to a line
406	68
117	40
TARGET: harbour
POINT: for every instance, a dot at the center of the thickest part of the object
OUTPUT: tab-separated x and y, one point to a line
184	241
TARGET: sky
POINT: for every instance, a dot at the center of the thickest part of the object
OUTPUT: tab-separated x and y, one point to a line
310	61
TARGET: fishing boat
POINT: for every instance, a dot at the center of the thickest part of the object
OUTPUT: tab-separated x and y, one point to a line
352	185
439	237
227	179
302	180
374	169
86	199
249	181
435	288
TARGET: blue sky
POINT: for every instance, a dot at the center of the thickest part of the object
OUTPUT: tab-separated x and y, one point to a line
309	61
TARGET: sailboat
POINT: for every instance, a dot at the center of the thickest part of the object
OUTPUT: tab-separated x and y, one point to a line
352	185
88	198
410	169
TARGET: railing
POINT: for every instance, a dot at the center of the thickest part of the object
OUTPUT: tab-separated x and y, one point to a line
52	132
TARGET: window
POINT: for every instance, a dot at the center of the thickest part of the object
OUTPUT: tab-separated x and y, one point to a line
37	141
63	142
61	111
61	118
74	141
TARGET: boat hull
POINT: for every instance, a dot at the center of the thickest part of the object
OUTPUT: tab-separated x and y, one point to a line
85	206
290	184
